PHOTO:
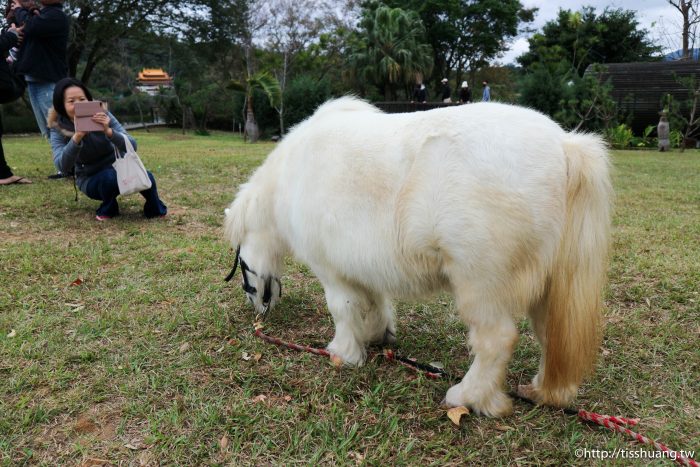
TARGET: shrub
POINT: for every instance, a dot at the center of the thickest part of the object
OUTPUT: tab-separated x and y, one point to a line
619	136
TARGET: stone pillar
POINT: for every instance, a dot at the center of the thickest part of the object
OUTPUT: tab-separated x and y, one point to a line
663	131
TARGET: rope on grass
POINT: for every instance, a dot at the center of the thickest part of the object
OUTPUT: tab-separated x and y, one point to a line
618	424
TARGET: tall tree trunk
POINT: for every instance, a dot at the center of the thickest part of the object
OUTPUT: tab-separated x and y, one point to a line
251	126
76	46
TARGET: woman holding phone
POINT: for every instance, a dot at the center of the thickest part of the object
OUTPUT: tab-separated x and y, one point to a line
91	154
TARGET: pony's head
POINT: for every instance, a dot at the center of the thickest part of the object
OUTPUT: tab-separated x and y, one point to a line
250	230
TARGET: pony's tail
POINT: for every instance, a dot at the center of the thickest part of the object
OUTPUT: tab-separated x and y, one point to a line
573	300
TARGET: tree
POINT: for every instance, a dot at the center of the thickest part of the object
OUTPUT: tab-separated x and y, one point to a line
391	52
691	17
582	38
97	26
291	26
265	83
467	34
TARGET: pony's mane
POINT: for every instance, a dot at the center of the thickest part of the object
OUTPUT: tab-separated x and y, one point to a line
345	104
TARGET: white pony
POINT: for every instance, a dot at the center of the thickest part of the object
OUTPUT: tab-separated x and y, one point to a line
493	203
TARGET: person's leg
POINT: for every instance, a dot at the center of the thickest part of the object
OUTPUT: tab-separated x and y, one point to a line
154	207
6	175
103	187
41	97
5	171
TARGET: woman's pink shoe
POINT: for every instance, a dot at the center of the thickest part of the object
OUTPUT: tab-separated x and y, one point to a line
102	218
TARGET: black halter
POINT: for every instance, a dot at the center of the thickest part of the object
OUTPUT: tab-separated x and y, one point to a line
267	293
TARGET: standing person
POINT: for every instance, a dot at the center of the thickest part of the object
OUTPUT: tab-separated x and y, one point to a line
446	92
486	96
42	56
420	94
8	39
465	94
91	154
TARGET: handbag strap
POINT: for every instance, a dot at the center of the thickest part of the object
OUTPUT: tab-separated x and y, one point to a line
127	143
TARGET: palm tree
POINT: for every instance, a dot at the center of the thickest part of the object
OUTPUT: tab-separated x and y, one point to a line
392	52
266	83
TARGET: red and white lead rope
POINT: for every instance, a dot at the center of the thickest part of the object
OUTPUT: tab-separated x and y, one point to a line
618	424
613	423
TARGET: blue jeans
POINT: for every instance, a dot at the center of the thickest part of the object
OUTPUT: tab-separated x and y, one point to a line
41	98
103	187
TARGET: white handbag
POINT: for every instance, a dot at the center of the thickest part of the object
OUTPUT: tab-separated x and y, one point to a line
131	174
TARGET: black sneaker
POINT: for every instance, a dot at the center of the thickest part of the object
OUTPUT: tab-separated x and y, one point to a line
58	176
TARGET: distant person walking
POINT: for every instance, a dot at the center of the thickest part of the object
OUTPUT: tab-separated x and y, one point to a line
486	96
420	94
42	55
465	94
446	92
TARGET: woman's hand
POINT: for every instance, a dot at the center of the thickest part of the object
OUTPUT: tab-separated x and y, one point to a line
78	136
103	119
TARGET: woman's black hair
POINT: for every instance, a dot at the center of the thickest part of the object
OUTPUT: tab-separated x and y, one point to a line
60	89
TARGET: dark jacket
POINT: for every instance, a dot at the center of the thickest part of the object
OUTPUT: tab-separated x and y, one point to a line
446	91
465	95
11	85
94	153
43	52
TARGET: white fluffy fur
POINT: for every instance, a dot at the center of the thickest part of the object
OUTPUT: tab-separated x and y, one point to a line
475	200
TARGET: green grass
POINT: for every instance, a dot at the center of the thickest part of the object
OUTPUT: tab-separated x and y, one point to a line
143	361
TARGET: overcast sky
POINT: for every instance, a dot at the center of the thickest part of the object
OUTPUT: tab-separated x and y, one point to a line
661	19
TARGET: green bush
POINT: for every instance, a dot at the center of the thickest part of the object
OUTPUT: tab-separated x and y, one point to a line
619	136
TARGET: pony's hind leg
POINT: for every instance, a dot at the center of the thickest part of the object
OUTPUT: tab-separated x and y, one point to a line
360	318
492	336
380	325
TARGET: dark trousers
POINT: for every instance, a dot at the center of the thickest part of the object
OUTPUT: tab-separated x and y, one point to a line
5	171
103	187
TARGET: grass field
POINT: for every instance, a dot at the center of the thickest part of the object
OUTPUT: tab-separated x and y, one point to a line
148	358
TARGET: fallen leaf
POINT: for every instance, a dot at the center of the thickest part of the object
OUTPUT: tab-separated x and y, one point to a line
232	341
185	347
455	414
357	456
223	443
245	356
257	357
220	349
78	281
12	334
336	361
131	446
287	398
259	398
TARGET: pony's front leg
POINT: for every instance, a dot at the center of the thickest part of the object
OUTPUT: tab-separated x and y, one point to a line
358	321
492	336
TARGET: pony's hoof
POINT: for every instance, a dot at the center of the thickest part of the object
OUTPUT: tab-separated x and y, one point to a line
497	405
529	392
346	355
